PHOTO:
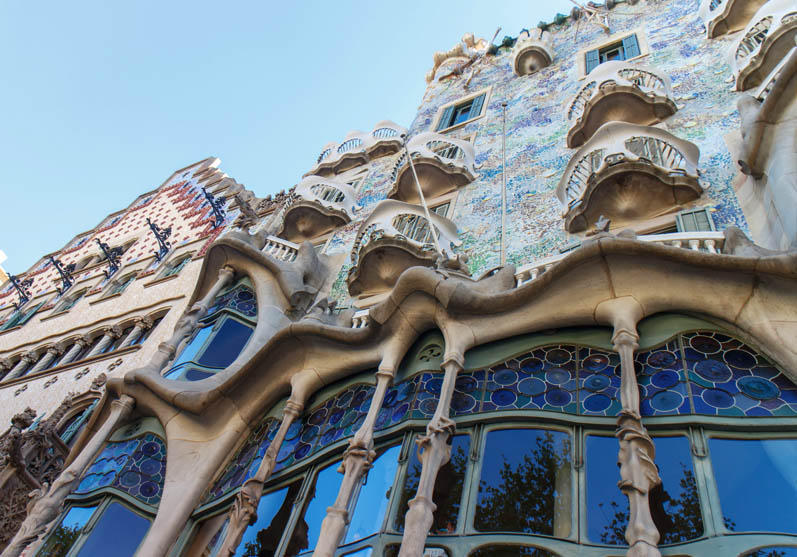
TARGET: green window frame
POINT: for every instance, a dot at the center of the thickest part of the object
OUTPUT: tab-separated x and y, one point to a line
459	113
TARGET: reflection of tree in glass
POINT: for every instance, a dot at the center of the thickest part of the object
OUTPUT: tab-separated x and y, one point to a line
447	490
525	498
677	519
60	541
268	538
769	552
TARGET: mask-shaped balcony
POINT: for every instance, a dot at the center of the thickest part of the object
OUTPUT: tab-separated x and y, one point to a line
727	16
764	43
618	91
394	238
627	172
533	52
442	164
317	206
358	148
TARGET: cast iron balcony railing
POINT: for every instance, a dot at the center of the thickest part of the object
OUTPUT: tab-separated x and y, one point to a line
395	237
358	148
317	206
22	287
618	91
765	41
627	172
533	51
442	164
727	16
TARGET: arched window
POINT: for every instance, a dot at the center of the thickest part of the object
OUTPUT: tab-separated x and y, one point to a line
533	467
70	430
221	336
21	316
118	286
175	266
70	301
111	509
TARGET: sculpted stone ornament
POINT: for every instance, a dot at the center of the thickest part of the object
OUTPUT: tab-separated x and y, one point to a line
470	48
248	217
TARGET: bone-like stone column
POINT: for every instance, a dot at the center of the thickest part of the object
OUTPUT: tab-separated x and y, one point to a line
436	453
638	472
189	320
26	360
79	345
357	460
244	509
47	506
110	334
46	359
141	324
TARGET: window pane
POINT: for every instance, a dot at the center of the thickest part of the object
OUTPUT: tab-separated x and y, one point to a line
118	532
757	483
273	511
675	506
607	507
321	496
227	343
193	346
374	497
447	493
511	551
773	551
393	551
66	533
525	483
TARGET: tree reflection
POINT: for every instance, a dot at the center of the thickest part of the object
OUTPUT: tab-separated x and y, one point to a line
447	493
677	519
524	499
61	541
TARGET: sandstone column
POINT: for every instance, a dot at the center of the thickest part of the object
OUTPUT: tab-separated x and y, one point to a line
141	324
110	334
46	359
436	453
79	345
357	460
26	360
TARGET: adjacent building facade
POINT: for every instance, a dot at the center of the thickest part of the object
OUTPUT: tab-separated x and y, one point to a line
556	315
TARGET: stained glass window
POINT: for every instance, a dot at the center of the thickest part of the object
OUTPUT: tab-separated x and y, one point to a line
136	467
511	551
221	337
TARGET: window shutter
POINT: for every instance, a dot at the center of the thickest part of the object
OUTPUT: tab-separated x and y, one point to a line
476	107
445	119
631	47
593	59
694	221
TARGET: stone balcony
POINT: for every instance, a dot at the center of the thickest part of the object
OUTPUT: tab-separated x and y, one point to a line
765	41
442	164
619	91
317	206
533	51
628	172
394	238
358	148
727	16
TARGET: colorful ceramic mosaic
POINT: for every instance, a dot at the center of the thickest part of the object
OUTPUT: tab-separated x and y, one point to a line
136	467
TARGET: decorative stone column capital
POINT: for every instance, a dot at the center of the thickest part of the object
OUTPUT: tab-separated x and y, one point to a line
293	408
124	404
144	322
30	357
115	331
6	363
55	350
84	340
625	338
226	272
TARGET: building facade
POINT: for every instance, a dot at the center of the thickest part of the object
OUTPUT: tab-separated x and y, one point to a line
556	315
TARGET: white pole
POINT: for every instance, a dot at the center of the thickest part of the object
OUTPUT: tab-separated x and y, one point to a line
432	227
503	188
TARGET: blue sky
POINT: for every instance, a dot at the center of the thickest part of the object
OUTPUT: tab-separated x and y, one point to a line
104	100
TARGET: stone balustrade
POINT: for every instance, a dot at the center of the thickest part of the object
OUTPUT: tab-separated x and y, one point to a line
280	249
727	16
627	172
619	91
533	51
396	236
709	242
358	148
764	43
441	163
